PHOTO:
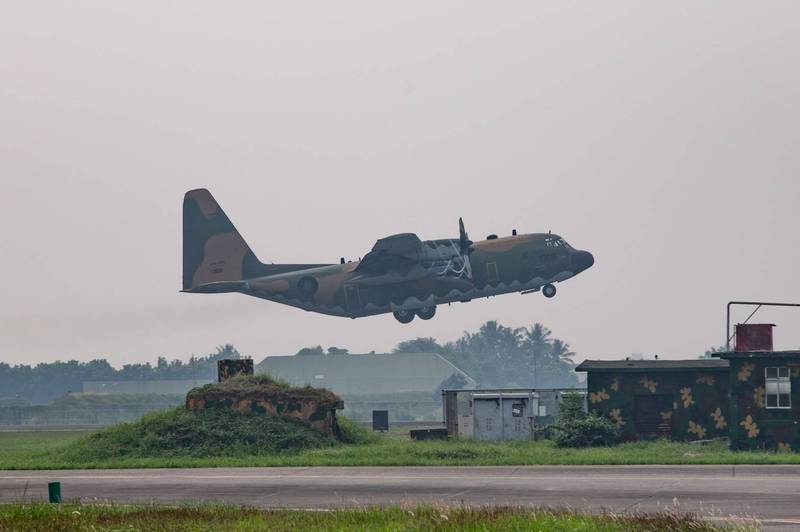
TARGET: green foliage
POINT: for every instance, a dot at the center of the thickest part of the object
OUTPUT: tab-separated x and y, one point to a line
181	433
420	345
244	382
44	382
56	450
316	350
102	518
354	433
499	356
576	428
591	431
571	408
258	386
713	349
456	381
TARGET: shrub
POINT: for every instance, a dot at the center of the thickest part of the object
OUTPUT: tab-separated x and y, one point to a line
577	428
590	431
352	432
177	432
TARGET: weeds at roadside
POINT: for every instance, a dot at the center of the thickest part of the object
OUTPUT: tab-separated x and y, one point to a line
68	517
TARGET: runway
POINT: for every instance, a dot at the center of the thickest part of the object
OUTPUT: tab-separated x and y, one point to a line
771	493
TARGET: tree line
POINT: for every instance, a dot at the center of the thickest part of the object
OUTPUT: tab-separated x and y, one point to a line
506	357
494	355
42	383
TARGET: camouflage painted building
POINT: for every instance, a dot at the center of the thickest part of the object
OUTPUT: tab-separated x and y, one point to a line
764	399
678	399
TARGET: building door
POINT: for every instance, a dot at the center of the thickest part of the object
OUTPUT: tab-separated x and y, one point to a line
488	419
653	415
518	418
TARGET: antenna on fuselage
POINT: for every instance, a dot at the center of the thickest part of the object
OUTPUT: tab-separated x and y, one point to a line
463	239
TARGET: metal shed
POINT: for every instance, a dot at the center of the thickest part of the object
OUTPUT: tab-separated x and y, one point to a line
504	415
489	414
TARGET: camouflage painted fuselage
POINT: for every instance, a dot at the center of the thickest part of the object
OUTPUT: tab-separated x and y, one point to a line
499	266
407	274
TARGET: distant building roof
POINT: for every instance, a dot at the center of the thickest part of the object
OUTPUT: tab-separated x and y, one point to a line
165	387
708	364
364	374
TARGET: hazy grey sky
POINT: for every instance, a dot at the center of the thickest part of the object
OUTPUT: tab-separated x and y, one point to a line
662	136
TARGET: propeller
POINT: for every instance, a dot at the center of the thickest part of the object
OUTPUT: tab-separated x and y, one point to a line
463	238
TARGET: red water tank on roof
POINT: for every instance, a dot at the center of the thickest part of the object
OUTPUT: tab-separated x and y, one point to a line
754	336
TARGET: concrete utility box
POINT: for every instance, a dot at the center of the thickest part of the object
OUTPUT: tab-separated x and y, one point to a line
754	336
504	416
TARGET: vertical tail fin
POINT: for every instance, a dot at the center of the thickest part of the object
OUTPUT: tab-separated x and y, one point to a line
213	250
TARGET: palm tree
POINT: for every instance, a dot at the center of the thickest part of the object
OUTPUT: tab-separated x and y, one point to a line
536	340
561	353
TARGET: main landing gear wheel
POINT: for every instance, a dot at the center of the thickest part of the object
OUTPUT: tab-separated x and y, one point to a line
426	313
403	316
548	290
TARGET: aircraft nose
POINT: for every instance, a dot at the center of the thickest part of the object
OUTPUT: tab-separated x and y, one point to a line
582	260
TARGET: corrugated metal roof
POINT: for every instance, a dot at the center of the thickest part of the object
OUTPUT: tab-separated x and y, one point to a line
709	364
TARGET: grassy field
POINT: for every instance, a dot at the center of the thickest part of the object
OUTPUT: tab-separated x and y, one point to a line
43	450
106	518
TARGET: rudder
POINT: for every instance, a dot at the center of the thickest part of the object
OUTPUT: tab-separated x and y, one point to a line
213	250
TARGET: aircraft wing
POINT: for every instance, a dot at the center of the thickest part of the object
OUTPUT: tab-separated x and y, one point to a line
396	252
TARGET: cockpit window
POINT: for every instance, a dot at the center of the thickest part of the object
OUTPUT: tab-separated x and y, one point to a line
555	242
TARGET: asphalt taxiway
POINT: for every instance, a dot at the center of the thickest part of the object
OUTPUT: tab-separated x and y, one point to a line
770	493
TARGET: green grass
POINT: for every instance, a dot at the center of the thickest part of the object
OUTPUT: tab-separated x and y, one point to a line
41	450
183	436
34	517
15	444
178	433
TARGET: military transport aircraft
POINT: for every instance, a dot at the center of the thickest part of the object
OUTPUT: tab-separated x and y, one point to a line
402	274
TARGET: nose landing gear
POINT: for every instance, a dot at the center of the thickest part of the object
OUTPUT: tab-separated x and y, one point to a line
548	291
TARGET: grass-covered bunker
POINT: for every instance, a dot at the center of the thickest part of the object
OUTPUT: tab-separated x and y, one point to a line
315	407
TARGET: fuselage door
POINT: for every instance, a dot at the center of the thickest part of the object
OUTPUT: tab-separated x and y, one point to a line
491	273
352	297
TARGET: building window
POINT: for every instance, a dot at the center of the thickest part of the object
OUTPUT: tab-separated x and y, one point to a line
779	388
